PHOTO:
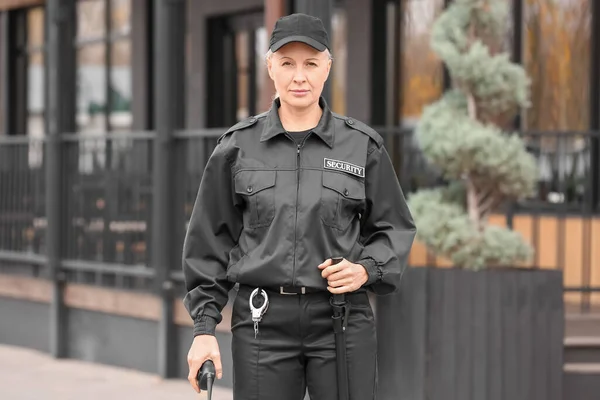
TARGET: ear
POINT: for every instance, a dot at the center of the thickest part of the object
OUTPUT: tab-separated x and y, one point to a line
329	63
270	68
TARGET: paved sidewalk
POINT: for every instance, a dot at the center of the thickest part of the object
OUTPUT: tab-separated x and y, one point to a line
30	375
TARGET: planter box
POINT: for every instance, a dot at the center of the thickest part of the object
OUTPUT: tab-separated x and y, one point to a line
452	334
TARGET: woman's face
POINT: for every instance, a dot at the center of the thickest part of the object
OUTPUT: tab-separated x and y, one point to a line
299	73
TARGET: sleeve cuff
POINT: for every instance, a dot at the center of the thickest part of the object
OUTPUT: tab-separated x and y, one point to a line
373	270
204	325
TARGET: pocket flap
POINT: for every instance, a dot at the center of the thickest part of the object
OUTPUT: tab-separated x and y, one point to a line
344	185
251	182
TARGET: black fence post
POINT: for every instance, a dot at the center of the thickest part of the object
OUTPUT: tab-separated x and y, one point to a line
517	46
322	9
593	197
60	119
4	76
169	68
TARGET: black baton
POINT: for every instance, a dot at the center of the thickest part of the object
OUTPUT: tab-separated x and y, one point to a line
206	376
340	320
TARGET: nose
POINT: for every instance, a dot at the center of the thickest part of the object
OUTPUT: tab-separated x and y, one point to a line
299	76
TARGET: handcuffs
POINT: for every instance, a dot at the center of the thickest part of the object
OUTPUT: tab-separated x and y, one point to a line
257	313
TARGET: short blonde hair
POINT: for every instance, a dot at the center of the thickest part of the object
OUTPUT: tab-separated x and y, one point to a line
269	54
326	51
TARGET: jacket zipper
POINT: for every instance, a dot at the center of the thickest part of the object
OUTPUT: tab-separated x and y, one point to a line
298	147
296	220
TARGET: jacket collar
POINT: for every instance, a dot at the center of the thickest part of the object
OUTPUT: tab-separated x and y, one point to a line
324	129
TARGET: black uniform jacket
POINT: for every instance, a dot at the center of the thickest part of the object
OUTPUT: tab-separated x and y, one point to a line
269	211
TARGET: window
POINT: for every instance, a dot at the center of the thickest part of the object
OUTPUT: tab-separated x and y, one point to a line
421	71
25	75
557	58
250	48
2	70
237	74
337	76
264	85
35	72
104	83
557	40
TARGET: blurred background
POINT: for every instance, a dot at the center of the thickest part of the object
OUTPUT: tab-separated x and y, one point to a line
109	110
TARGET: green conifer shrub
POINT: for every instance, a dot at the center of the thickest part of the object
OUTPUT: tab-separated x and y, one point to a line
461	136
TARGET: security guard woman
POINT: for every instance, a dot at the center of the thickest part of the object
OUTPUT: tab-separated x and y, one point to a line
282	193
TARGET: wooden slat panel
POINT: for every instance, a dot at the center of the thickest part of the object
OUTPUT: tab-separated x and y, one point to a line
21	287
509	358
443	262
595	259
181	317
180	314
548	241
547	249
493	335
573	257
494	372
464	330
524	225
418	254
542	335
400	345
497	219
525	304
9	4
482	333
556	333
436	339
110	301
448	335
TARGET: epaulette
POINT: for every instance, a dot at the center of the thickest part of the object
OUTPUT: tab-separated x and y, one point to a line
239	126
364	128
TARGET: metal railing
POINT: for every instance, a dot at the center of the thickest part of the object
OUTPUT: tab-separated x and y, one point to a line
107	194
22	202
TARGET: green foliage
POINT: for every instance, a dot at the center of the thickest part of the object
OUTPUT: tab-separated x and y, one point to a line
456	144
458	135
445	228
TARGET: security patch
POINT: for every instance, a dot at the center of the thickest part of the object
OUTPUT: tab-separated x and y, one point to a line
344	167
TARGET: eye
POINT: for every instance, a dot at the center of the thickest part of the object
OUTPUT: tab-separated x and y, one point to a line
312	64
286	63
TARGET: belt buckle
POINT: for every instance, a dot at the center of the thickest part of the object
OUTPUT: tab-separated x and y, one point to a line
281	291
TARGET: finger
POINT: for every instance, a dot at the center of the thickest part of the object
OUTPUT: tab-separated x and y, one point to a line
339	276
216	358
339	290
339	282
325	263
194	369
192	378
339	273
332	269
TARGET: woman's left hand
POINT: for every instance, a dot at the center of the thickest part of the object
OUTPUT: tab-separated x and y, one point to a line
344	276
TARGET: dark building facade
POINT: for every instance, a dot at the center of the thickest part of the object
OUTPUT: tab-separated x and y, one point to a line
384	73
104	102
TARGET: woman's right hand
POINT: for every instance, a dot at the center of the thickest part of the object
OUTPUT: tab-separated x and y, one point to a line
204	347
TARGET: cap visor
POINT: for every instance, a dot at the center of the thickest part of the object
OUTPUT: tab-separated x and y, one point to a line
304	39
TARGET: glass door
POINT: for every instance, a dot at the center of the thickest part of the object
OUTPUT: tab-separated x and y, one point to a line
237	74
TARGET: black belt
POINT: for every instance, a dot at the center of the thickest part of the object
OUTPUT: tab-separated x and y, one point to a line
291	290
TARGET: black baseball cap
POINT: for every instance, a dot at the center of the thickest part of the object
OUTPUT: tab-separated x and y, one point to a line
299	28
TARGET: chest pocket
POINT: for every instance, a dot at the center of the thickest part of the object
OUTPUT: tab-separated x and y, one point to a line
341	198
258	189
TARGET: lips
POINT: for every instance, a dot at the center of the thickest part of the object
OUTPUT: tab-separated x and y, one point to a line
300	91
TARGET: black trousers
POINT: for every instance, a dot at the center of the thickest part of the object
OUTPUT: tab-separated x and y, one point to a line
295	348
